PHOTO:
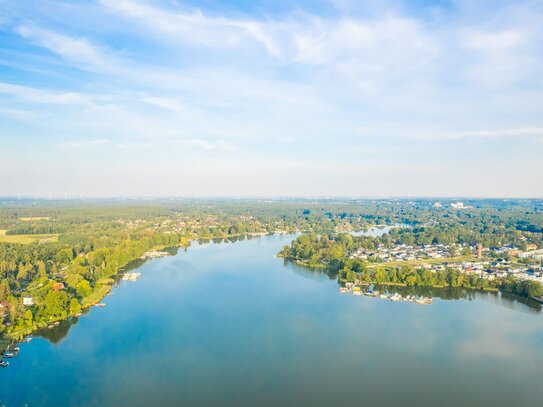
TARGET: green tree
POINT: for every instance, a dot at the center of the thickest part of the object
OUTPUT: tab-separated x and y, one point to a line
351	276
380	275
75	306
83	289
28	318
56	304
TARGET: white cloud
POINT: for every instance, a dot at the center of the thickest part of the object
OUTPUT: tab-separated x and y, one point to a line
18	114
365	150
493	42
516	133
205	144
195	27
42	96
82	143
78	51
165	103
134	144
295	86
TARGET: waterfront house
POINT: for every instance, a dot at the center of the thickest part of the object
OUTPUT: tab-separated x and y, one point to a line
58	286
28	301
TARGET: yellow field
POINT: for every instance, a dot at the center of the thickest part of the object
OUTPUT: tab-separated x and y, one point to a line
27	239
30	219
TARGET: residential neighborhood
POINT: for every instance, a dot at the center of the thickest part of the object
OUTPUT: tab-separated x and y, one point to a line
523	265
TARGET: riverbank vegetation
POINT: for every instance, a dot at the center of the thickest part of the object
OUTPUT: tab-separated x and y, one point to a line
59	257
337	253
56	258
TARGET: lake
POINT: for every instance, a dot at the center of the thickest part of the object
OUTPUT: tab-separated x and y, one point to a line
231	325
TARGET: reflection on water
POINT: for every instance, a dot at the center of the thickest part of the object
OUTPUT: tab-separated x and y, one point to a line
316	273
231	239
56	334
458	293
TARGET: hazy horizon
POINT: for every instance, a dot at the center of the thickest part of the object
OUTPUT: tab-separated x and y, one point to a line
338	98
264	197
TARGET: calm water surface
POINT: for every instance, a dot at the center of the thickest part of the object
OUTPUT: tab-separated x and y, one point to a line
231	325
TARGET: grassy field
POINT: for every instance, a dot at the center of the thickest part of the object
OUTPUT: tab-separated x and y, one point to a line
418	263
34	218
96	296
27	239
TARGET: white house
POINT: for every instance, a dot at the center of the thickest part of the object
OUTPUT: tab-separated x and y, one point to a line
28	301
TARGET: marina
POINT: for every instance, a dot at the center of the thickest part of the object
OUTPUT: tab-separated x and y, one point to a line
131	276
355	289
155	254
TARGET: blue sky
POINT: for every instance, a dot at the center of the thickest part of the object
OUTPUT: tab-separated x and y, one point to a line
267	98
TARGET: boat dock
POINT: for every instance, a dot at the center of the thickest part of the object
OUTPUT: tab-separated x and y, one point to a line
131	276
154	254
356	290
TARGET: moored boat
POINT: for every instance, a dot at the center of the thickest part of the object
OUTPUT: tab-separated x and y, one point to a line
424	300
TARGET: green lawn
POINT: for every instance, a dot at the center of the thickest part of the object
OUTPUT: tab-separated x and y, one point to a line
415	263
96	296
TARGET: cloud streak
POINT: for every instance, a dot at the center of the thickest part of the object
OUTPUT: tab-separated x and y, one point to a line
83	143
205	144
79	51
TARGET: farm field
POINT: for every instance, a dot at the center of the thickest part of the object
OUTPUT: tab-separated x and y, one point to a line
27	239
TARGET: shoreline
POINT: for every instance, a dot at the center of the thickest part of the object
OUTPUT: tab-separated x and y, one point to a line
323	266
390	284
11	338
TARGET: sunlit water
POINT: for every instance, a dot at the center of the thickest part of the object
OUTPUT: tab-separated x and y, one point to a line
231	325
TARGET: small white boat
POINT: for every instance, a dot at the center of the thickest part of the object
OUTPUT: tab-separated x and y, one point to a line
424	300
